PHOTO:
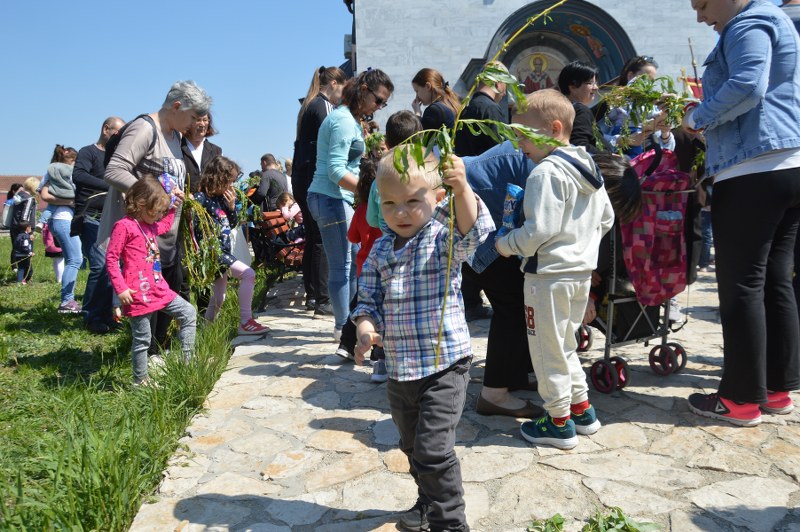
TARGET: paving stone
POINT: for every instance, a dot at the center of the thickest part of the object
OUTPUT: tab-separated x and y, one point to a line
396	461
291	463
233	485
477	502
785	455
260	443
752	438
264	527
655	472
291	387
721	456
234	395
303	510
380	491
482	466
648	417
681	521
385	432
540	493
156	517
618	435
680	444
634	500
346	468
753	502
207	513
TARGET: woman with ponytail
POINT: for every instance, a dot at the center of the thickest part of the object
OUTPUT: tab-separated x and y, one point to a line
323	95
442	104
340	146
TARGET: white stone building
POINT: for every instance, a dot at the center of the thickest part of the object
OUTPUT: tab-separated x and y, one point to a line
457	37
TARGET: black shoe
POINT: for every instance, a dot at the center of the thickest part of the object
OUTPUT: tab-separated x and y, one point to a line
415	519
323	310
478	313
97	327
311	304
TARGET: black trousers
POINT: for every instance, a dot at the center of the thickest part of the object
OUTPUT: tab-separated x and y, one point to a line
755	219
315	264
426	412
508	361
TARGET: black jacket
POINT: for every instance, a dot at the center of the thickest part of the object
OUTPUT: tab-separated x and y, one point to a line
583	128
481	107
210	150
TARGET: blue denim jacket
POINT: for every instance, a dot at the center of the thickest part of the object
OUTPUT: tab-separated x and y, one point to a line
751	87
488	174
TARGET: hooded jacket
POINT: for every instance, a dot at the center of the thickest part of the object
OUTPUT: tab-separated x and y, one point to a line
567	212
59	182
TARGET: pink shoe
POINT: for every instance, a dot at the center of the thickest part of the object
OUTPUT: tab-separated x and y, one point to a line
716	407
778	403
252	327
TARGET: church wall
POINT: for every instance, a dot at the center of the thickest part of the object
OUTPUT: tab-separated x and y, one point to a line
402	36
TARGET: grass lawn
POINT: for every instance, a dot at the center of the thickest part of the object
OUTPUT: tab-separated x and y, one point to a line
81	447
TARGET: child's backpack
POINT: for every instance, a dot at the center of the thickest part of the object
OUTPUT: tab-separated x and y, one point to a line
113	141
654	248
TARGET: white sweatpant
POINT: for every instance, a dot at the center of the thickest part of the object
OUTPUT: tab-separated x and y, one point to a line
554	310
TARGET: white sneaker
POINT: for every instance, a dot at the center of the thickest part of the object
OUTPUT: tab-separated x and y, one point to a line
379	373
676	314
337	335
156	362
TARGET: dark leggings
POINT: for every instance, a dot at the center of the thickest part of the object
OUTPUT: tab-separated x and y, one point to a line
507	358
755	219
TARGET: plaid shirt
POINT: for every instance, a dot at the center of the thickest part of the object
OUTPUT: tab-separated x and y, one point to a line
402	291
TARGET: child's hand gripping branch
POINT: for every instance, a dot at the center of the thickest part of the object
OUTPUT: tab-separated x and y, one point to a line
367	337
465	203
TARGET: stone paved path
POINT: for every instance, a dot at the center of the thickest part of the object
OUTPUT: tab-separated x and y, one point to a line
294	440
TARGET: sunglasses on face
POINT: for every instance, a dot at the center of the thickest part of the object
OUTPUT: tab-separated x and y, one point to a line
380	102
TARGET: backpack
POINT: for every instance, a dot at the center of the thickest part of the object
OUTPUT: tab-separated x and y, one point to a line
8	213
653	244
113	141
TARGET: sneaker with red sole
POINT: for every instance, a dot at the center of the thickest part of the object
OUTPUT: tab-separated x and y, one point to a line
716	407
778	403
252	327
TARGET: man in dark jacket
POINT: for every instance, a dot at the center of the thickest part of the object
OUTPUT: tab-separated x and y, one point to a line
90	189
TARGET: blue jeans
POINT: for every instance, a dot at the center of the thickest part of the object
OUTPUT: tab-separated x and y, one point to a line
97	296
71	247
708	239
333	217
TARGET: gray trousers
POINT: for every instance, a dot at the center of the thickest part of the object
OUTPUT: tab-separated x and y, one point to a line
178	308
426	412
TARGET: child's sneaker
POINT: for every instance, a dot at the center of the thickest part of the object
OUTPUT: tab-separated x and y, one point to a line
586	423
252	327
713	406
379	373
156	361
778	403
345	352
545	431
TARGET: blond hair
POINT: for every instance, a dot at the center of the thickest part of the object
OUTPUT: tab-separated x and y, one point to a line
30	185
428	172
550	105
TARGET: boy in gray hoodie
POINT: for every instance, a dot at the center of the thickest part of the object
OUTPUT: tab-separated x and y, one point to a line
567	212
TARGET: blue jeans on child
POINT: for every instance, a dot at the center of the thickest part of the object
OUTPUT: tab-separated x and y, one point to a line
178	308
333	217
24	270
71	247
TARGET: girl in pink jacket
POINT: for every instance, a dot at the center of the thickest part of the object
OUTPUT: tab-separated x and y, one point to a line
134	267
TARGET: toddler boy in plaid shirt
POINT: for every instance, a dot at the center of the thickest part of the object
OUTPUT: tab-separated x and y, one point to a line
400	295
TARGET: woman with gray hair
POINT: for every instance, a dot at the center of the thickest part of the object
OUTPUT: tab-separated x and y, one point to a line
151	144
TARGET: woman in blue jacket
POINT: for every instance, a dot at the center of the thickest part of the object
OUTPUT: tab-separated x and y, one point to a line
751	120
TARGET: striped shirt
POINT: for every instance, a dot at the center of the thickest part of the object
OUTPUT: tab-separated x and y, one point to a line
403	290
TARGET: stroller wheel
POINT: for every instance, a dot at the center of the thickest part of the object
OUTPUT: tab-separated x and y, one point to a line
623	375
663	360
680	354
604	376
584	338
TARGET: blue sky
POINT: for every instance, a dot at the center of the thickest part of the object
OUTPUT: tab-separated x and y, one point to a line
69	65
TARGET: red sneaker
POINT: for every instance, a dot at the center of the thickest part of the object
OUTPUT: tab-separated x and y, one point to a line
778	403
716	407
252	327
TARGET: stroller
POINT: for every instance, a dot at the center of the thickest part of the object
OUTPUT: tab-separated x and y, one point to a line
655	257
278	244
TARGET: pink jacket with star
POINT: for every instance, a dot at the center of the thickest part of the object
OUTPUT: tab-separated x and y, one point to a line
130	266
